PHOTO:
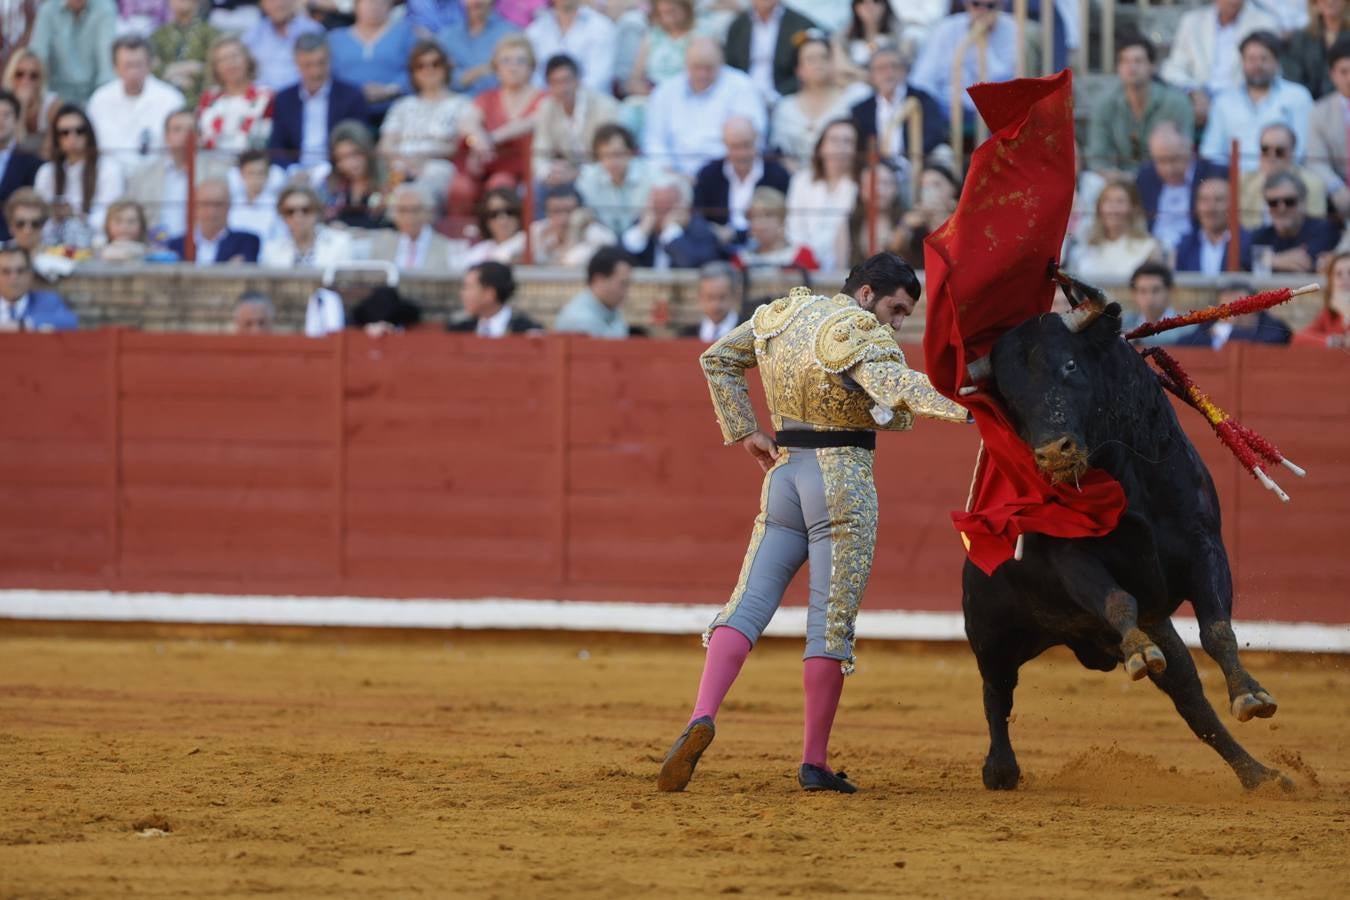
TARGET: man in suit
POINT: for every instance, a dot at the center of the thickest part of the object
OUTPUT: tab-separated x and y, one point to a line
160	186
411	245
723	187
761	42
23	309
1168	182
17	169
879	114
486	296
720	289
1253	328
317	97
1327	126
213	241
1205	248
1278	148
669	234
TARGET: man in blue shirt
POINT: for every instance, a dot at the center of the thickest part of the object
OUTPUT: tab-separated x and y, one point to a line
470	44
272	41
1263	98
595	311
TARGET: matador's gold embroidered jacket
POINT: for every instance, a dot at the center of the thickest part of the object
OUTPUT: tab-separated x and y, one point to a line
825	362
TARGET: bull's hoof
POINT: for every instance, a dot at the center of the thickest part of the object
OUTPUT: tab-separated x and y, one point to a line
1147	660
1153	657
1258	704
1001	776
1260	776
1135	667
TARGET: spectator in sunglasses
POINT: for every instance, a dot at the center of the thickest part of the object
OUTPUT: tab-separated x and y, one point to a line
1278	144
77	173
499	222
1301	242
17	169
304	243
26	78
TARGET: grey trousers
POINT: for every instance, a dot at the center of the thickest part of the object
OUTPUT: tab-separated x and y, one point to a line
818	506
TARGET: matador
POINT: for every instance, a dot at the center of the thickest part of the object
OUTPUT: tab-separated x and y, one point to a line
832	374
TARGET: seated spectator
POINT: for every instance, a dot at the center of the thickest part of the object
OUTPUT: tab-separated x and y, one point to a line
161	186
956	36
821	198
1299	240
294	142
767	247
1239	113
272	41
21	307
180	46
213	240
17	168
500	222
1253	328
411	244
872	26
567	235
719	301
724	186
617	184
683	129
128	112
73	38
669	234
373	54
1331	328
660	55
879	190
762	42
496	152
125	233
1202	61
305	243
1205	249
799	118
429	17
236	113
253	313
24	79
581	32
254	186
486	297
596	310
1306	57
1118	242
385	310
77	173
423	129
566	123
1277	155
1328	126
879	118
472	44
353	193
1150	292
938	193
1168	181
26	215
1124	119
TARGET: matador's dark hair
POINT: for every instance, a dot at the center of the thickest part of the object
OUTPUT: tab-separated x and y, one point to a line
884	273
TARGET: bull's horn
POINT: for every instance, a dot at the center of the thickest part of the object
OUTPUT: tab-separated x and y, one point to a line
979	369
1083	315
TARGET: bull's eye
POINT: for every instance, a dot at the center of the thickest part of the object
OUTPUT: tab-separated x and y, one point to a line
1069	368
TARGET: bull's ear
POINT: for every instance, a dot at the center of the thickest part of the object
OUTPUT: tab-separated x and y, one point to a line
1107	326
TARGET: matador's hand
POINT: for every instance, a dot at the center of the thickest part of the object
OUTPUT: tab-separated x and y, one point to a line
762	448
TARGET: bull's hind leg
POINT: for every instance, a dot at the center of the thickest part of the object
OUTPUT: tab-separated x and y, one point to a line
1181	682
1088	582
1213	604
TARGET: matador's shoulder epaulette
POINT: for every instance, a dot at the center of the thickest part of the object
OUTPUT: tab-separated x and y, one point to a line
772	319
851	335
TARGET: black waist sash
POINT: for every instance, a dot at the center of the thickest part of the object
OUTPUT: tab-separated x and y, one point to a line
815	440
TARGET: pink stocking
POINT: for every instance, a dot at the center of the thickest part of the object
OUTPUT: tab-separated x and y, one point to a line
823	682
727	650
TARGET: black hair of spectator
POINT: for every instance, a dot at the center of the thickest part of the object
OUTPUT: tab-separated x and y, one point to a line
385	304
497	276
311	41
1266	39
1153	269
947	174
429	48
856	32
1134	38
180	111
13	101
606	262
130	42
253	155
89	176
560	192
884	273
1241	285
253	295
561	61
509	196
608	132
1340	49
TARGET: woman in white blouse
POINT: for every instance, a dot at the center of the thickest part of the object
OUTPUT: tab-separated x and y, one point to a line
798	118
235	113
77	176
423	129
304	243
1118	242
821	197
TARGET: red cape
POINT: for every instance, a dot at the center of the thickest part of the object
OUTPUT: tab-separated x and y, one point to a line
987	272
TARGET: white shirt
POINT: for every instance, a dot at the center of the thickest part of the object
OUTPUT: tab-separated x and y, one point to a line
890	130
206	249
1212	255
314	131
12	313
590	42
818	217
683	130
129	129
635	242
172	212
709	331
108	186
763	44
412	253
495	325
739	193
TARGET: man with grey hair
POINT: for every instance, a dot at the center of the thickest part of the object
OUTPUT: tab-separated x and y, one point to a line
719	299
1299	241
724	186
412	245
213	240
669	234
253	313
304	114
1278	145
1168	183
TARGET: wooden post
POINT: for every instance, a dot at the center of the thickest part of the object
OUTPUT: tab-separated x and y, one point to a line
190	234
1047	37
913	114
1108	35
873	163
528	215
1234	261
1020	21
1082	54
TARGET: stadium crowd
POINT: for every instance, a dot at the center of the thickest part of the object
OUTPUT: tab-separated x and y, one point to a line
466	137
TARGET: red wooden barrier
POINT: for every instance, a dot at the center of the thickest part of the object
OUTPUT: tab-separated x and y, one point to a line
430	465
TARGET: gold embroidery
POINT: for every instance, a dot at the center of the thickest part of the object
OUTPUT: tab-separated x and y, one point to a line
771	319
724	365
756	538
898	387
848	336
851	498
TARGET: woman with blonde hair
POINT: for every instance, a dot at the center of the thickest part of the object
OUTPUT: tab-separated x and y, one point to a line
1118	241
235	113
26	79
1305	51
661	53
1331	328
125	232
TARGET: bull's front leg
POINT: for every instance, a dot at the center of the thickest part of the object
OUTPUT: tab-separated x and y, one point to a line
1091	585
1212	599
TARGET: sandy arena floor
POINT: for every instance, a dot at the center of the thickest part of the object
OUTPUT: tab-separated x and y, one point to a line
517	766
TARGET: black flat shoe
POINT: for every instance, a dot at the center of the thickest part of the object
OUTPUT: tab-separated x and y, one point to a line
814	778
679	764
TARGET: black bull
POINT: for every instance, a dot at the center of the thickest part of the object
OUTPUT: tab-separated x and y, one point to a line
1083	399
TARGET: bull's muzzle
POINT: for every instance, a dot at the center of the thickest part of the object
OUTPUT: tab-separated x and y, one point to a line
1061	459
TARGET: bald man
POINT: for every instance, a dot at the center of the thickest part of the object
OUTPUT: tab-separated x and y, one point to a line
213	240
1168	182
686	112
723	187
